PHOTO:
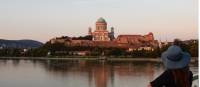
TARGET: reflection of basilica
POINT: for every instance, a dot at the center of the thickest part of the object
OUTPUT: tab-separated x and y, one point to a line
103	74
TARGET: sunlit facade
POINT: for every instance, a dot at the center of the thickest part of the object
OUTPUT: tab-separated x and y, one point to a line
101	33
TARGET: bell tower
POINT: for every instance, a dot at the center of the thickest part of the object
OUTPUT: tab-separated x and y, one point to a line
89	31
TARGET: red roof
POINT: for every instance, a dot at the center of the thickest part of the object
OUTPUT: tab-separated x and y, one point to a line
129	35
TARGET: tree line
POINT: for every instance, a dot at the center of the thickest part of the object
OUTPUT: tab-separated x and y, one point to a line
60	49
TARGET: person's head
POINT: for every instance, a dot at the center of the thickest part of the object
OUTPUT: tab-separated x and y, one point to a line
177	61
175	58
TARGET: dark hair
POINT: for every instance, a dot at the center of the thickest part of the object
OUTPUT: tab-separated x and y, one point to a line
181	77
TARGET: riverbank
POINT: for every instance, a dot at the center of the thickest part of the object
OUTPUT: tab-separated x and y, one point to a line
193	59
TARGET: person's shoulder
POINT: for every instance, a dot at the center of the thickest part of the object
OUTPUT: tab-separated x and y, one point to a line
191	74
167	74
164	78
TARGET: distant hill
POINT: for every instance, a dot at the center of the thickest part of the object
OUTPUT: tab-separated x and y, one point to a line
19	43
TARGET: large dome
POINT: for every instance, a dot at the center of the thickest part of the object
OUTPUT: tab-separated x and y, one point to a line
101	20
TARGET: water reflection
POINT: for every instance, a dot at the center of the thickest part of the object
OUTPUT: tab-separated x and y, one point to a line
102	72
62	73
16	62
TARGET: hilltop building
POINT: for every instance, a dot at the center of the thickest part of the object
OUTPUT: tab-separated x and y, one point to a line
134	39
101	33
101	37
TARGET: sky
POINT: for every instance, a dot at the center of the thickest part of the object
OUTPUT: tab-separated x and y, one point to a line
45	19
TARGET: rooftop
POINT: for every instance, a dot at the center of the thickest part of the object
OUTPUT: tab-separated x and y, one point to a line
101	20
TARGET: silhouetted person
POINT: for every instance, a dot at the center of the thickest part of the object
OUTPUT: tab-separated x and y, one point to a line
177	73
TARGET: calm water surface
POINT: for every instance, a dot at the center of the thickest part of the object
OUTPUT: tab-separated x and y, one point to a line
53	73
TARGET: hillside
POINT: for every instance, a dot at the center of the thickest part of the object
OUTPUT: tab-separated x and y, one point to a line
19	43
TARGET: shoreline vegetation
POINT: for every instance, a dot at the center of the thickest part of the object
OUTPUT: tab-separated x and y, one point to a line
66	51
193	59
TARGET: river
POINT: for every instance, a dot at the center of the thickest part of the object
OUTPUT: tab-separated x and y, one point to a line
79	73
